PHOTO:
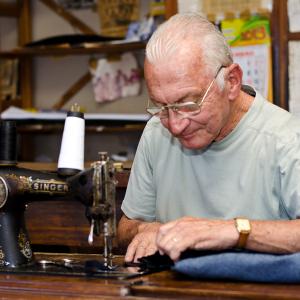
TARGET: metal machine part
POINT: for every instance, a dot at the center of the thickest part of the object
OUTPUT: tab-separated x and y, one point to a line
103	211
94	188
3	192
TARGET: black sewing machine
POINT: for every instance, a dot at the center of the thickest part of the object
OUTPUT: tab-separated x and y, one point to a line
94	188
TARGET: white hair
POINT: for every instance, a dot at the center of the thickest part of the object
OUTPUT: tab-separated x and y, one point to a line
189	29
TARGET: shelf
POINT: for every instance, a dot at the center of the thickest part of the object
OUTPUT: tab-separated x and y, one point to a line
92	128
7	103
104	48
9	10
294	36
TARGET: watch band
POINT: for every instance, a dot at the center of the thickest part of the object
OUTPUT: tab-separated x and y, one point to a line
242	240
244	228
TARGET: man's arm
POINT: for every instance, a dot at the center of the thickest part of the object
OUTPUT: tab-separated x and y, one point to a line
203	234
139	235
278	236
127	229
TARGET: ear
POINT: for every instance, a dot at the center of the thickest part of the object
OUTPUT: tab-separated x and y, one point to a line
234	78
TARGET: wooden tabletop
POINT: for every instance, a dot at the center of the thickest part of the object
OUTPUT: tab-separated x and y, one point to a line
161	285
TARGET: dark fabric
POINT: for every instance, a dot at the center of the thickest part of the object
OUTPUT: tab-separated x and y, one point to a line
72	39
249	90
155	262
242	266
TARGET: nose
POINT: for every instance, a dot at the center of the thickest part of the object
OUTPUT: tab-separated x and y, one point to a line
176	124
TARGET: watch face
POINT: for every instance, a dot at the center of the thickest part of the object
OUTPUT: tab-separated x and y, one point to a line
244	225
3	192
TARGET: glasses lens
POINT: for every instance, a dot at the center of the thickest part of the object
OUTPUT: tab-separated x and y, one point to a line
161	112
153	110
188	108
164	113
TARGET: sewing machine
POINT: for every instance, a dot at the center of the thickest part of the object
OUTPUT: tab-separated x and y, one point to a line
93	187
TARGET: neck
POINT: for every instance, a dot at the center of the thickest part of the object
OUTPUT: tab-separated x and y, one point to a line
239	108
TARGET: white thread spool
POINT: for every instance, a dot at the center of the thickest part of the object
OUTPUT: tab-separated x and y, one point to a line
71	156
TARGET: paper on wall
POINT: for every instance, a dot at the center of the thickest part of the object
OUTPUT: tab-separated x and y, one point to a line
254	62
116	79
294	15
294	77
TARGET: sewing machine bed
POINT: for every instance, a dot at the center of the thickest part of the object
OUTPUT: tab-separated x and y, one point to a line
87	265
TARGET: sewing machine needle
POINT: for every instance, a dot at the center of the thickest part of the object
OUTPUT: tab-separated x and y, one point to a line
91	234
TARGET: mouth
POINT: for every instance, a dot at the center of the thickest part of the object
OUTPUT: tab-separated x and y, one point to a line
187	136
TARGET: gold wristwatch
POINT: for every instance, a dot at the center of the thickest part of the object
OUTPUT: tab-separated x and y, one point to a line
243	226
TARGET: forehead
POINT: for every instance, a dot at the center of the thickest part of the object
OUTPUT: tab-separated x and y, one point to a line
174	79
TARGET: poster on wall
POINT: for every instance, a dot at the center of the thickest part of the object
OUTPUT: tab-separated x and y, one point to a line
115	16
250	41
294	77
8	80
255	65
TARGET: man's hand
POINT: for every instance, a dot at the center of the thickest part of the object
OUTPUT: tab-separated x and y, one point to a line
144	242
194	233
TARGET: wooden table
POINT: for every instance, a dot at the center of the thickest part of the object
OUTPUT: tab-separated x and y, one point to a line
161	285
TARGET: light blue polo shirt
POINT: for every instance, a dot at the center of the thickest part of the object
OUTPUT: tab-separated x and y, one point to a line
253	172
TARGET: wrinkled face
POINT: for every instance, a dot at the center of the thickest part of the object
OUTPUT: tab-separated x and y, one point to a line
184	81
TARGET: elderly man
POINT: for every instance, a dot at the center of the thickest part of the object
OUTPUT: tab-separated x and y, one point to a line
217	166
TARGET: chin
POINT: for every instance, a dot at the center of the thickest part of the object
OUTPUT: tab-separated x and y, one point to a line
194	144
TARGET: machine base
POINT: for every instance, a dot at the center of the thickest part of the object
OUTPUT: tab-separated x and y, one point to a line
89	265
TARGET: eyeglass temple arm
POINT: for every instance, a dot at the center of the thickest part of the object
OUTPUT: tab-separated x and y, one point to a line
212	82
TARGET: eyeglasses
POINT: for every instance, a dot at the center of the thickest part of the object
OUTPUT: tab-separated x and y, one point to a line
186	109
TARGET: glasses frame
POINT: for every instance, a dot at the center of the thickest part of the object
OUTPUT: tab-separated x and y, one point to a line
175	107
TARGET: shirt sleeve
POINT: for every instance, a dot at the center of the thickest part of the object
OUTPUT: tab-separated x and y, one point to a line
140	198
289	169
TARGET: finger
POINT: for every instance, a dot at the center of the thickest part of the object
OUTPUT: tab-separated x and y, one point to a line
144	251
173	245
165	232
130	253
150	250
175	254
166	236
167	243
161	251
140	252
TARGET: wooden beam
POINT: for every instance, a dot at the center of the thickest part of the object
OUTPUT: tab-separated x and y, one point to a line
74	21
74	89
25	36
283	28
26	82
294	36
24	22
9	10
89	49
171	8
